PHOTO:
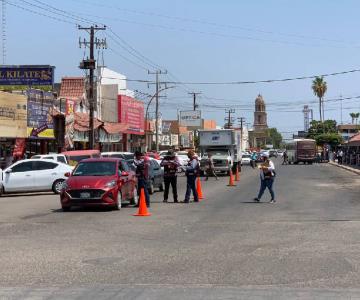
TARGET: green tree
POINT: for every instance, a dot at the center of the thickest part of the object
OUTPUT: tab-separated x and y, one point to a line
319	87
325	133
352	115
274	138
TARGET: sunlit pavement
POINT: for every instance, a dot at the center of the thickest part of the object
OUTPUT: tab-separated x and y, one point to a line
306	245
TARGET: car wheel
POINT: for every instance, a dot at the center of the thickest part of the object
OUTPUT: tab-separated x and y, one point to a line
135	199
161	187
57	186
118	201
151	187
66	208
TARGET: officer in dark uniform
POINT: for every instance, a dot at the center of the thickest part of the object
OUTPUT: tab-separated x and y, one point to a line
170	163
142	164
192	171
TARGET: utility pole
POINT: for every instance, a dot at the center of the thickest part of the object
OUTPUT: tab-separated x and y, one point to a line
157	83
90	64
242	121
229	119
195	106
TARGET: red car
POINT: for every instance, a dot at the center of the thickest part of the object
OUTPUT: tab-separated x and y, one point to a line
154	155
99	182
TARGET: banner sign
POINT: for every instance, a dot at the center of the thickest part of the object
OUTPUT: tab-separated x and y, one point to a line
131	112
27	75
40	122
191	118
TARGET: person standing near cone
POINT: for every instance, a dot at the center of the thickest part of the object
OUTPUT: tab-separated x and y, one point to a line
192	171
210	167
170	163
267	176
142	164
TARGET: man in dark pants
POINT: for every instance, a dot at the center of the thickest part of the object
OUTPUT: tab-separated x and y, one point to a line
170	163
192	171
142	163
210	168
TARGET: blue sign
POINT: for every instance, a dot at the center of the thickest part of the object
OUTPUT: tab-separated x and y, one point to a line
27	75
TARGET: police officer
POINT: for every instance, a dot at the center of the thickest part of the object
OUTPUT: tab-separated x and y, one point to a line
142	164
170	163
192	171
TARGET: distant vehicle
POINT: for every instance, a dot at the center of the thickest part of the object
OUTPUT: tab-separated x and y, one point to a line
123	155
246	159
280	153
154	155
55	157
301	150
221	159
224	144
273	153
265	153
34	175
75	156
99	182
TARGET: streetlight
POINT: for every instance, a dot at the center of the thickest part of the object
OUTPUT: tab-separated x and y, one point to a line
146	114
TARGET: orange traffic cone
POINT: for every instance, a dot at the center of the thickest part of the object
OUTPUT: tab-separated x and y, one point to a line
231	179
143	212
198	189
237	174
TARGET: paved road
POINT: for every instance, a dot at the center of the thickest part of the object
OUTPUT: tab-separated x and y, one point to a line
305	246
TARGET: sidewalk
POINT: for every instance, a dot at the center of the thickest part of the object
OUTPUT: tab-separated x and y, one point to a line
353	169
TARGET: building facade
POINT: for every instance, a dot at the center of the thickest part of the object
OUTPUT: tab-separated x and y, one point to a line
260	127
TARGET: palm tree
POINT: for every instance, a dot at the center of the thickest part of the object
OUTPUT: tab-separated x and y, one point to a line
357	115
353	116
319	88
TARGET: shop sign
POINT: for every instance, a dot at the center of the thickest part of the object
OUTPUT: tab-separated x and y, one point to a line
39	119
27	75
191	118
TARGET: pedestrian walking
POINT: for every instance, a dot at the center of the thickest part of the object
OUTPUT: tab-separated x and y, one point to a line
267	175
340	156
192	171
253	158
210	170
285	158
142	164
170	163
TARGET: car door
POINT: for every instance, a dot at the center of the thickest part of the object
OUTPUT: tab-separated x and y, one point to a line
157	172
46	174
19	177
125	180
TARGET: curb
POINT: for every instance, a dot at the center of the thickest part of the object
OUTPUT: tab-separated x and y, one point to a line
345	168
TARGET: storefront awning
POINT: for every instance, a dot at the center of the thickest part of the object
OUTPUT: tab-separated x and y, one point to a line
115	128
82	122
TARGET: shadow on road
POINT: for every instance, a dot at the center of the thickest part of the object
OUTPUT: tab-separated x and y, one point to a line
27	195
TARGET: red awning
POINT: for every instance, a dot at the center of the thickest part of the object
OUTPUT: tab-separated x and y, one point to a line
81	122
114	128
355	140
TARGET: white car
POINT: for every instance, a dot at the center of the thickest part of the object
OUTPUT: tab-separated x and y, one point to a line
34	175
55	157
246	159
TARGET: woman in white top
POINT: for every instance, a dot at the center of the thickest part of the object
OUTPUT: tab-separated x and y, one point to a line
267	175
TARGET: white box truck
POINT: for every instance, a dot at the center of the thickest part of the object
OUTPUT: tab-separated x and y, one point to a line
224	145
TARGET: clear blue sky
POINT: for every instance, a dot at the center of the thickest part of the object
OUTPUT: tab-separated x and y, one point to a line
207	41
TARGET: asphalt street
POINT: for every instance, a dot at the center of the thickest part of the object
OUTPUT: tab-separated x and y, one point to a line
306	246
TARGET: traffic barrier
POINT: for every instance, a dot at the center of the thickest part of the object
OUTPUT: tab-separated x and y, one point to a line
231	179
198	189
237	174
143	211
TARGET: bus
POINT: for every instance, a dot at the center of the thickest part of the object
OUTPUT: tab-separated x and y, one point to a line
301	150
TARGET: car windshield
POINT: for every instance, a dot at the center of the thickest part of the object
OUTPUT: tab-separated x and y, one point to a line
219	153
128	156
96	168
246	156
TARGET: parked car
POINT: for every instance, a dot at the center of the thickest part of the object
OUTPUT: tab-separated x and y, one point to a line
246	159
156	175
99	182
34	175
273	153
123	155
55	157
154	155
73	157
280	153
